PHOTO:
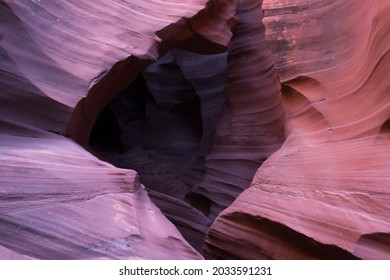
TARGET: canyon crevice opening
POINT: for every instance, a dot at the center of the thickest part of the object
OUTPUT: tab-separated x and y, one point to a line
163	126
185	125
218	129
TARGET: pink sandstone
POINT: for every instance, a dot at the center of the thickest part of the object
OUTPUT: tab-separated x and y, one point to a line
294	108
326	191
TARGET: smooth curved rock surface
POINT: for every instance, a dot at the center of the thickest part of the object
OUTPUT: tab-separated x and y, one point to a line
59	202
329	183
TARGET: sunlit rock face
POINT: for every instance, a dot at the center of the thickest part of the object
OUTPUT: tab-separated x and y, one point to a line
325	193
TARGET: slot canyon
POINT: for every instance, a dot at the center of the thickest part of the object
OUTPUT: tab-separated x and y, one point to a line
194	129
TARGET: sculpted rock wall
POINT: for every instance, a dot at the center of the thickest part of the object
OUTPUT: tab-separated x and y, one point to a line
57	200
253	128
306	99
327	188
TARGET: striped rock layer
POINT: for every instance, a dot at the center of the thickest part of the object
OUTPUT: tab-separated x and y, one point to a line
325	193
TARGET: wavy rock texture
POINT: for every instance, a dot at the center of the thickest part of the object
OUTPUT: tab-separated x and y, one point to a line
191	222
325	193
57	200
298	89
253	128
77	207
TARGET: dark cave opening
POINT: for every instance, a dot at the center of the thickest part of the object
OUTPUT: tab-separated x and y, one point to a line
163	126
106	133
167	119
160	139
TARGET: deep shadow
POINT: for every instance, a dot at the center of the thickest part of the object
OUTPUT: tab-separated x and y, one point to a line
106	133
159	140
385	127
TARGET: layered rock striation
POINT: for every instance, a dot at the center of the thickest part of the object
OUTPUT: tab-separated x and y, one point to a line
288	98
62	62
325	193
253	128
